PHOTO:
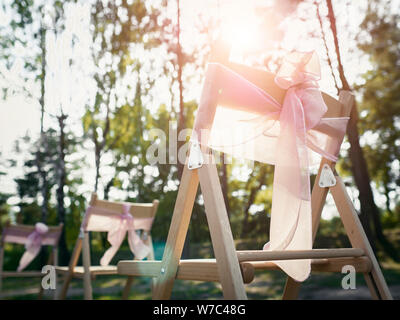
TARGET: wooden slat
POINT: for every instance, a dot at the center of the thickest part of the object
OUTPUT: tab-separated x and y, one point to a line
31	228
207	269
361	264
139	268
24	274
137	210
198	270
94	270
190	269
260	255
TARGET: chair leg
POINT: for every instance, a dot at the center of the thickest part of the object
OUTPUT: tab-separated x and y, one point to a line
73	262
151	256
127	288
371	286
56	292
292	289
153	286
87	281
40	294
375	280
177	234
64	289
221	234
87	287
318	199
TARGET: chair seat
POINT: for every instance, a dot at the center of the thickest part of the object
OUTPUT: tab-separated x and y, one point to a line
94	270
22	274
207	269
264	255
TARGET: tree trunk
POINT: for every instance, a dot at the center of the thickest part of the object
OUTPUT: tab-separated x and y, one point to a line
61	173
253	192
43	152
250	201
97	165
43	145
361	177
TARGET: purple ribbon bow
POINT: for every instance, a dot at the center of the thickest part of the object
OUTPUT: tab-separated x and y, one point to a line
33	245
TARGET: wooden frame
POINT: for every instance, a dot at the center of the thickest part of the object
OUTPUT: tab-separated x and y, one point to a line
53	257
234	268
88	272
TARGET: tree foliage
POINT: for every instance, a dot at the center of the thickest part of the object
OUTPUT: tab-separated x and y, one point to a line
380	107
134	44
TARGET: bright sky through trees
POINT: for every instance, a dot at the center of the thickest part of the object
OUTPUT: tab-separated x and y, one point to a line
238	27
72	87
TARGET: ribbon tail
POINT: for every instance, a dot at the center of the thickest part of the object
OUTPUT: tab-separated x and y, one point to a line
320	151
115	238
291	207
108	255
30	254
137	246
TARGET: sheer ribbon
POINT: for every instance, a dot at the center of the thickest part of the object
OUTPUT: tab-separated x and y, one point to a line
251	124
117	226
33	245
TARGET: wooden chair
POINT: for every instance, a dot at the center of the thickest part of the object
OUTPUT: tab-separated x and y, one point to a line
143	215
235	268
18	234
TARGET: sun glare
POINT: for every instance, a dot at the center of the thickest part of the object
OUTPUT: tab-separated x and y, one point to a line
249	31
242	36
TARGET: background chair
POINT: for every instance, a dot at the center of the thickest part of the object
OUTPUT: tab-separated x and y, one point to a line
100	217
19	234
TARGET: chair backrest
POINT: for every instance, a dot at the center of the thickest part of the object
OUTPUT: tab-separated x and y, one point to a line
101	217
102	212
266	80
18	233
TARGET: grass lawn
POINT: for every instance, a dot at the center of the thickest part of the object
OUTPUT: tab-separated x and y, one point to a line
266	284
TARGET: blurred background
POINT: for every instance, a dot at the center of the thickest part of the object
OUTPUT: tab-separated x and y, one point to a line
83	83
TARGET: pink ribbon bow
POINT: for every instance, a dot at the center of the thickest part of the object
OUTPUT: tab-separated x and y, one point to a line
117	233
33	245
247	126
